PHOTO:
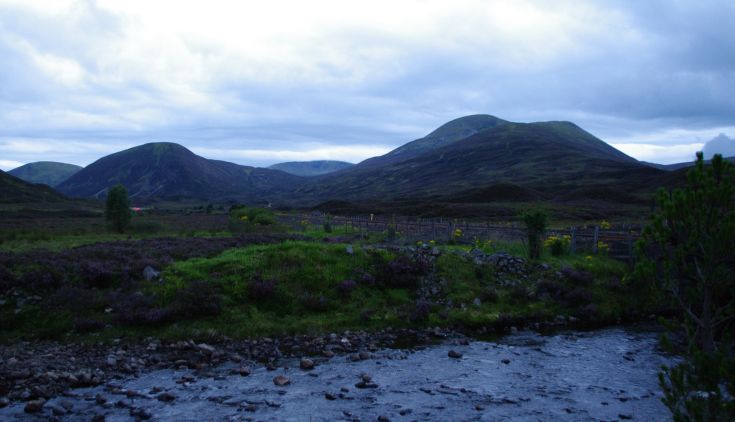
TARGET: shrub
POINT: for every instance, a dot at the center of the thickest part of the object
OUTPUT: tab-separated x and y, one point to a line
535	221
132	308
421	311
259	289
87	325
578	277
549	288
198	299
314	303
345	287
558	245
74	298
96	274
117	208
489	294
403	272
578	296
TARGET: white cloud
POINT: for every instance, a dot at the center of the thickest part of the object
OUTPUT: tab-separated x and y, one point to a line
9	164
668	154
263	157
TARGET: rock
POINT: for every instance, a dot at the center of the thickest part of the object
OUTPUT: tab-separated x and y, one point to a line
100	399
141	413
364	355
383	418
479	407
206	349
625	416
330	396
363	384
34	406
280	381
244	371
4	402
250	407
306	364
56	409
98	418
477	301
150	274
166	397
349	250
505	361
454	354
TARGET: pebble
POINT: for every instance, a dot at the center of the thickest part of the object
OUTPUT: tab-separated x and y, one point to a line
244	371
505	361
34	406
330	396
280	381
4	402
306	364
166	397
454	354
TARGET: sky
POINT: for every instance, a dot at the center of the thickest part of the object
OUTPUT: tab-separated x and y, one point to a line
260	82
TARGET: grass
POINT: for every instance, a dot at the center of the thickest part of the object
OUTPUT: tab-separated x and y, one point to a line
306	295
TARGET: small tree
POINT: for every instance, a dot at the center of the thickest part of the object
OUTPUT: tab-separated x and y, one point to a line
688	252
535	221
117	209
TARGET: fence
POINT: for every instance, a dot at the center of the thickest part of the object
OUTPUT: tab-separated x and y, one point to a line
619	239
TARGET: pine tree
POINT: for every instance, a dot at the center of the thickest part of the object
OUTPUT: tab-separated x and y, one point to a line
117	210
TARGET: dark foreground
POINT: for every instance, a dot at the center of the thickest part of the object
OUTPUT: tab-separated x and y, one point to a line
605	375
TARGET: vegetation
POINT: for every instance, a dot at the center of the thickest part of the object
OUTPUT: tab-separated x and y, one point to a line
688	251
117	208
535	221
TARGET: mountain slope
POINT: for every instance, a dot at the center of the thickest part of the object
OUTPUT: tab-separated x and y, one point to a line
548	157
15	190
47	172
311	168
167	170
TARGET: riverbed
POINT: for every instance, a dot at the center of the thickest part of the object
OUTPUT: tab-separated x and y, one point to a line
604	375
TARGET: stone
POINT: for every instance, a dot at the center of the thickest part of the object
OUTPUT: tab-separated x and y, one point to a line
349	250
56	409
306	364
150	274
4	402
330	396
98	418
454	354
280	381
100	399
34	406
166	397
383	418
205	348
244	371
505	361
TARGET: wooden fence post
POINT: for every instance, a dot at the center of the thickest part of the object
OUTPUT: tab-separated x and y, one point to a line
595	239
573	243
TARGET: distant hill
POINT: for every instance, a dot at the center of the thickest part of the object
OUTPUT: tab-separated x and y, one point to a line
47	172
311	168
15	190
168	170
677	166
547	158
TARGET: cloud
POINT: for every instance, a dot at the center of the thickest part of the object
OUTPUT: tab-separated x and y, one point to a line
288	77
669	154
721	144
6	165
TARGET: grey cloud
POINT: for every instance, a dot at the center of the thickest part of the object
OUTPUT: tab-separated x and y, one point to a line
721	144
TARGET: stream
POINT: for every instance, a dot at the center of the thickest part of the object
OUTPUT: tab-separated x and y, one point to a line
604	375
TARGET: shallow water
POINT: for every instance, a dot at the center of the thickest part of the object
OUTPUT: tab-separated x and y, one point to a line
599	375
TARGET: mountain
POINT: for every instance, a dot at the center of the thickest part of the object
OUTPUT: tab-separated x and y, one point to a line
311	168
546	158
47	172
168	170
15	190
677	166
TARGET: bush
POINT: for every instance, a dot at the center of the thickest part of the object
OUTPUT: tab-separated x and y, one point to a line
578	296
345	287
198	299
259	289
558	245
403	272
314	302
489	294
421	311
117	208
87	325
550	288
535	221
578	277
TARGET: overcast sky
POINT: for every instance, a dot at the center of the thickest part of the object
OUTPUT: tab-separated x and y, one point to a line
260	82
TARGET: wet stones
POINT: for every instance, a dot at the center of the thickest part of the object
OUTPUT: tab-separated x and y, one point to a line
505	361
306	364
366	381
454	354
281	381
34	406
4	402
166	397
244	371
